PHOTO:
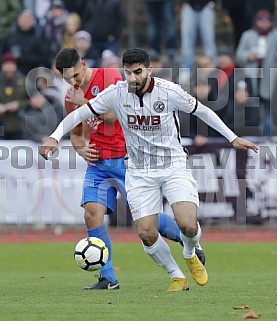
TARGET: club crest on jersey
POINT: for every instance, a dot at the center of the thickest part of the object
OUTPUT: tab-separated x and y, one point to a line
95	90
159	106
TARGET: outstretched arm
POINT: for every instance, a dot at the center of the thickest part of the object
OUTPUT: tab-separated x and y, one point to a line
69	122
77	97
211	118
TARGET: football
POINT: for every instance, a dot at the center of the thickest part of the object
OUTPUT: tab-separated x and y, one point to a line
91	253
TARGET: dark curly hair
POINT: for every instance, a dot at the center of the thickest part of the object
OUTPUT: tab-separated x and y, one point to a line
136	56
67	58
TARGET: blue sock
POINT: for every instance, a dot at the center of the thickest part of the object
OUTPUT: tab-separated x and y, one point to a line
102	233
168	228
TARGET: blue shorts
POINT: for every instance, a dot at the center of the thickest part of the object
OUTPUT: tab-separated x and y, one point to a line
103	181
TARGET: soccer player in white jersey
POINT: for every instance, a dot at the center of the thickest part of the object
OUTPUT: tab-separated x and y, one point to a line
146	108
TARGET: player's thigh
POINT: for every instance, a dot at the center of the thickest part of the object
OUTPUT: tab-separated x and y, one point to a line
185	214
99	188
143	195
118	174
180	186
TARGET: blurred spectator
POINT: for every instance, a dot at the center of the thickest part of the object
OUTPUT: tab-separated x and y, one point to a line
53	30
110	60
205	65
41	118
233	103
226	90
196	15
39	9
46	84
26	44
252	7
9	11
60	84
200	87
273	102
161	26
72	25
202	68
202	90
237	14
243	12
158	68
13	96
257	53
82	43
107	19
44	110
81	7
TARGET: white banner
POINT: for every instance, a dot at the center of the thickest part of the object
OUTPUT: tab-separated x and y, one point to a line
35	191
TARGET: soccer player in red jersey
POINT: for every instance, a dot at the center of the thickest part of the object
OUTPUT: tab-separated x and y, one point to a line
104	153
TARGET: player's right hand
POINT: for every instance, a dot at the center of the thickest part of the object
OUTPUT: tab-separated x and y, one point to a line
75	96
48	148
89	153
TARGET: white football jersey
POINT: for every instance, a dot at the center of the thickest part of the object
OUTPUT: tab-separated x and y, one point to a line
150	123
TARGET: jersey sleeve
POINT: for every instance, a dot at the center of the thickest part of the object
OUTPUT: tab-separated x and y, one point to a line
69	108
185	102
71	121
104	101
182	101
211	118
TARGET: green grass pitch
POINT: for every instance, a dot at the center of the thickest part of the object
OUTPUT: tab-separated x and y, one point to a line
42	282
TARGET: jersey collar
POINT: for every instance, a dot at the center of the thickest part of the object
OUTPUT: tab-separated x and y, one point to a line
149	89
151	86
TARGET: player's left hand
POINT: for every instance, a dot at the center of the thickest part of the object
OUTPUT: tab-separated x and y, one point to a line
241	143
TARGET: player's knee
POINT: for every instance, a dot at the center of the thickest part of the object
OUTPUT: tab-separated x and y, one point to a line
190	230
147	235
92	219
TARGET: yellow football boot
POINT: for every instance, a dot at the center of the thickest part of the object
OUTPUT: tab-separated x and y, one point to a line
197	270
178	284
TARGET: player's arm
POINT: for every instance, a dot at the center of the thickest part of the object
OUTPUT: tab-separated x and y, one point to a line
104	102
76	97
71	121
87	151
73	98
210	117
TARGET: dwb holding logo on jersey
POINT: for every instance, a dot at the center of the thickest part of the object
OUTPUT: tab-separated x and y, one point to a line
143	122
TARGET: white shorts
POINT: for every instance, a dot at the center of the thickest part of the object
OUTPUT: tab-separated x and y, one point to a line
145	191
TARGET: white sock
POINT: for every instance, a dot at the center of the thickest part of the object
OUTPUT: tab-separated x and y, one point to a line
191	243
160	253
197	244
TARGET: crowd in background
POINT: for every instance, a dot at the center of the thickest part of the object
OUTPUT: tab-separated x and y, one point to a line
238	82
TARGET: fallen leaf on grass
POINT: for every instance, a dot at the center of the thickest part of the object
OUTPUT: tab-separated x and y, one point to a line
251	315
243	307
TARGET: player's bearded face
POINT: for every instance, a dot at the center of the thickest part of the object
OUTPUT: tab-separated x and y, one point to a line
137	76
